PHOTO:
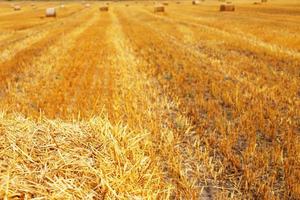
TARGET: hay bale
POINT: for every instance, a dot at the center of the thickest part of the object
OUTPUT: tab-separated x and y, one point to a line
87	5
104	8
159	9
165	3
195	2
227	7
17	7
50	12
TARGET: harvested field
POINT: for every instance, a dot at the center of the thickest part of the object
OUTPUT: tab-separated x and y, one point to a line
192	103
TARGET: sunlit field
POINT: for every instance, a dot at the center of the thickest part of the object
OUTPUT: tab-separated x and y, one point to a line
189	103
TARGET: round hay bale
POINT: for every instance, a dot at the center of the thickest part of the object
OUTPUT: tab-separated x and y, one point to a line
159	9
62	5
227	7
87	5
195	2
104	8
17	7
50	12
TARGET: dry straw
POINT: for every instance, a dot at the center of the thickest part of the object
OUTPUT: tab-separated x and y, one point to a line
94	159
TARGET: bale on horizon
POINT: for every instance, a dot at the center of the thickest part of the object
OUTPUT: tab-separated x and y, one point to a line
227	7
104	8
50	12
159	8
195	2
17	7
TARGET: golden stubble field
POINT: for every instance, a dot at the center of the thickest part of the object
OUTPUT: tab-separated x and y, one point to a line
191	103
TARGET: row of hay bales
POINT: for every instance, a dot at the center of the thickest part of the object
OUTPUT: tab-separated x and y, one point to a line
228	6
18	6
223	7
51	12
